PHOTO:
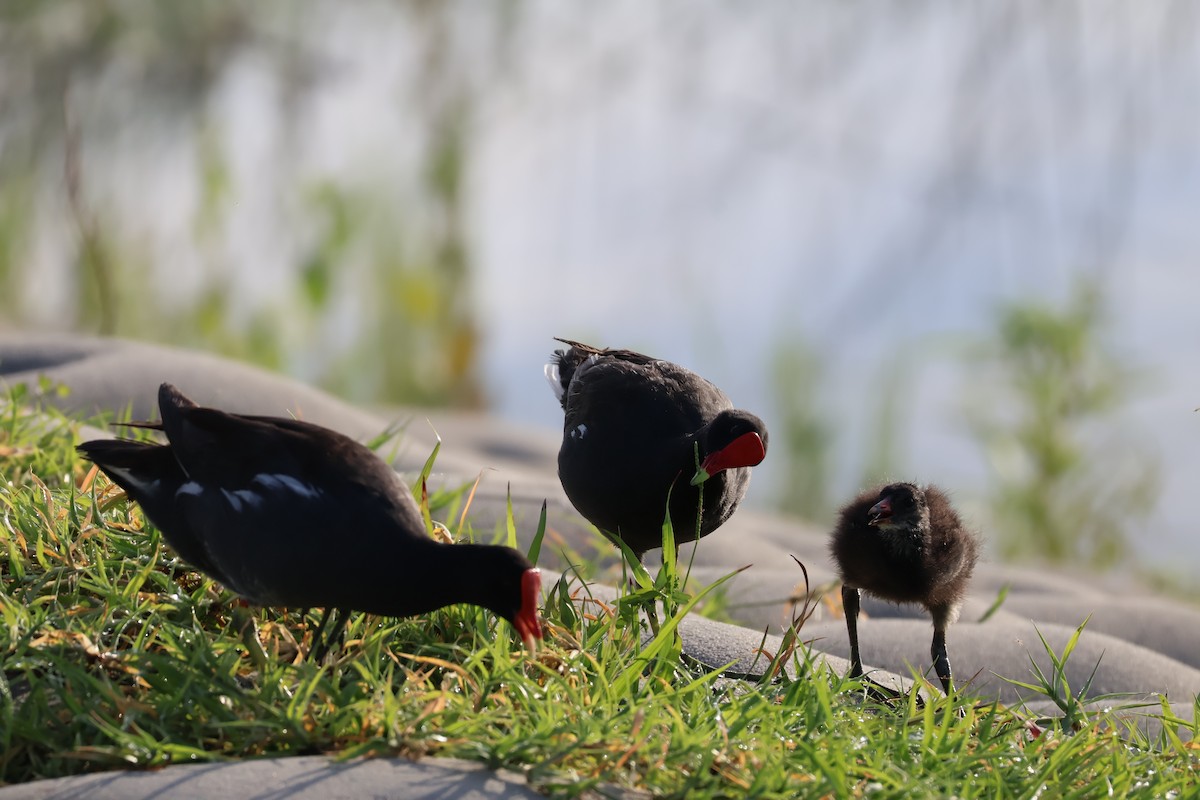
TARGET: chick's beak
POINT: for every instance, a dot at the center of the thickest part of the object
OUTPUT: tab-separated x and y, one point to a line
880	512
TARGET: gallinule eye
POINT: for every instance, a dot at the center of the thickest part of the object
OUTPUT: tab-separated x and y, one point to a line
632	428
287	513
905	544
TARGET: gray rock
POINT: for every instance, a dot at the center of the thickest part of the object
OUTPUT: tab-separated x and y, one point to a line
981	654
1152	622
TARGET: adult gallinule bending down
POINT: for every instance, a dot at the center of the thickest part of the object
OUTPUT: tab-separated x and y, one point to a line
287	513
905	544
632	427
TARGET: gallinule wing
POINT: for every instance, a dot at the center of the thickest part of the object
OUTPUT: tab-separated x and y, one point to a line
287	513
635	425
905	544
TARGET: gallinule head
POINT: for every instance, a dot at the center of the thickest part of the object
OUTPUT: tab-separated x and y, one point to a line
287	513
637	428
905	544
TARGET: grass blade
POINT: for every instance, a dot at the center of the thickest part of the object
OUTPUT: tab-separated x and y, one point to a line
1001	596
510	525
535	547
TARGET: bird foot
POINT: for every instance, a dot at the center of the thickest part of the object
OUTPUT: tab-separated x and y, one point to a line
885	695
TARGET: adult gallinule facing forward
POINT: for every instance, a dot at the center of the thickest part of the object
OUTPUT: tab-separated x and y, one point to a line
287	513
632	427
905	544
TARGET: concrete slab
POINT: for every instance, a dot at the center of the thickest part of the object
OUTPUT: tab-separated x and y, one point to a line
297	778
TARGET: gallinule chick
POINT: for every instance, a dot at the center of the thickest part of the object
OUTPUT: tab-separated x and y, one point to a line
905	544
287	513
633	426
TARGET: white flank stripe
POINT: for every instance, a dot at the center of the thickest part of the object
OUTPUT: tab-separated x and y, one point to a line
253	499
191	487
287	483
133	480
233	499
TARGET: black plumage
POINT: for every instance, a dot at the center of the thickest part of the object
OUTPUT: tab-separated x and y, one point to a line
635	428
905	544
287	513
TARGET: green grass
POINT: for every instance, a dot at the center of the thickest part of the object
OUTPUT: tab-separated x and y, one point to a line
117	655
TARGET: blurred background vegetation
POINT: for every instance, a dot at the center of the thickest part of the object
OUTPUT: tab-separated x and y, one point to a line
376	275
401	201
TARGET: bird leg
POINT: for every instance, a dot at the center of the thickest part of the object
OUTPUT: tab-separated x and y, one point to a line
941	660
874	689
850	607
942	615
652	617
247	628
320	648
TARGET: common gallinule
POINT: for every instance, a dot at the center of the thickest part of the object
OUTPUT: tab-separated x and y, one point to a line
905	544
287	513
633	426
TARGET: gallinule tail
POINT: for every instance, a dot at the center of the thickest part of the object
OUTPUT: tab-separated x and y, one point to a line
287	513
905	544
633	426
